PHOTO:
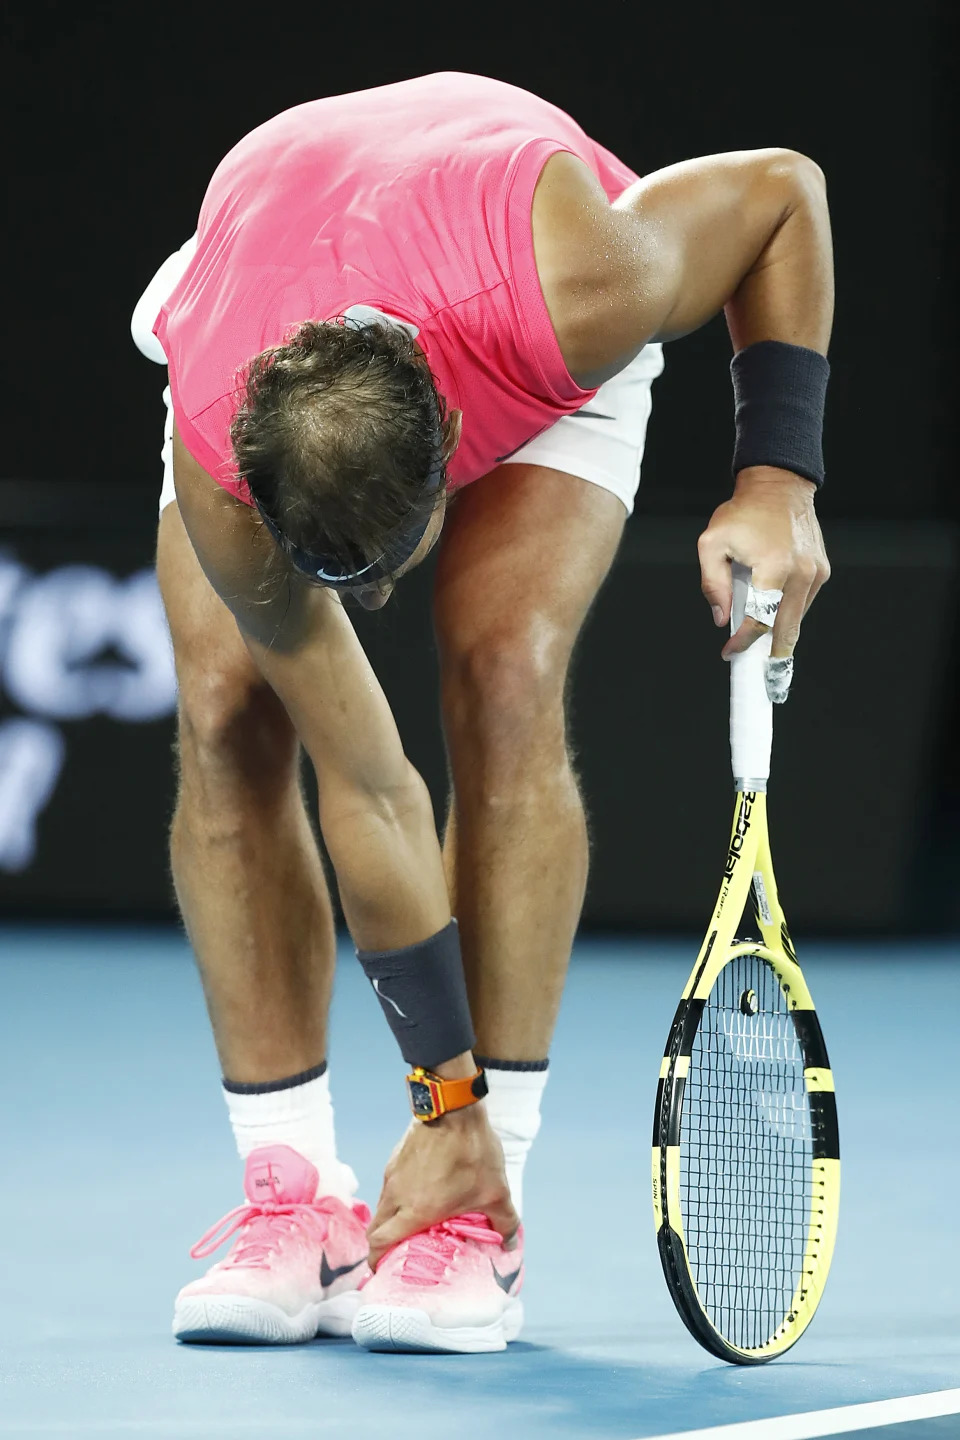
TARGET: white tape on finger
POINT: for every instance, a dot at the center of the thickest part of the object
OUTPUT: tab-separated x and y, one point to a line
778	675
762	605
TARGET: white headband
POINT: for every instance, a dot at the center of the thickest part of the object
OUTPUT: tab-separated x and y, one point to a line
363	315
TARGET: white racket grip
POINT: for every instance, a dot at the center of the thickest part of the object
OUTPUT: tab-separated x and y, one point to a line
751	714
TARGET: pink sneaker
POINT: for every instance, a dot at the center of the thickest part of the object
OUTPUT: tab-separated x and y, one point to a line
294	1270
452	1287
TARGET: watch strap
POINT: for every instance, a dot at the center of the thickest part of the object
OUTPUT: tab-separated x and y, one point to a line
431	1096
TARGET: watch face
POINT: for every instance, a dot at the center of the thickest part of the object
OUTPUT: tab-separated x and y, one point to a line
421	1098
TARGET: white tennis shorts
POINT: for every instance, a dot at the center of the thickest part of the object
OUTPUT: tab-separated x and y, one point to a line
602	442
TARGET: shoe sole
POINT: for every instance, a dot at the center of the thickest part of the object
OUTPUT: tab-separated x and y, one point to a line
392	1327
241	1320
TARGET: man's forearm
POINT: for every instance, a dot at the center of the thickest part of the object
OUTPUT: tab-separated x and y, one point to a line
375	810
787	294
386	855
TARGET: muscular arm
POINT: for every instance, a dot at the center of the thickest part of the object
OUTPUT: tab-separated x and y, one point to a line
374	810
747	233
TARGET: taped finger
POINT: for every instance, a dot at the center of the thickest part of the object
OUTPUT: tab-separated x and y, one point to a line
777	677
762	605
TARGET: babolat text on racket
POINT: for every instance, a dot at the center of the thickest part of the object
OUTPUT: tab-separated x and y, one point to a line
746	1158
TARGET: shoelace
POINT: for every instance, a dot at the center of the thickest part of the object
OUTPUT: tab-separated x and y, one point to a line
263	1227
429	1253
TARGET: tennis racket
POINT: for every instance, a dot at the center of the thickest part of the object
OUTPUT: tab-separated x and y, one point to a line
746	1158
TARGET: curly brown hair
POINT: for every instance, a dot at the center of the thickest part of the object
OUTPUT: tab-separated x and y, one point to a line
336	433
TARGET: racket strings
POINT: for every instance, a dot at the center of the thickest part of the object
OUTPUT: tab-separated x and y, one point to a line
746	1155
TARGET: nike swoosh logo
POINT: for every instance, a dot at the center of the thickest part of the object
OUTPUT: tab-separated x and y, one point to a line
376	986
506	1282
327	1276
590	415
501	458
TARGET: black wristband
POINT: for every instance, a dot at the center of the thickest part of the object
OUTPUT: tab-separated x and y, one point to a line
779	393
423	994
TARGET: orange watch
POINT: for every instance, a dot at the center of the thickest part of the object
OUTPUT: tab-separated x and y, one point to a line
431	1096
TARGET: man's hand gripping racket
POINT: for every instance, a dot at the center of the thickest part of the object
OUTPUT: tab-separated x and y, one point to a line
746	1160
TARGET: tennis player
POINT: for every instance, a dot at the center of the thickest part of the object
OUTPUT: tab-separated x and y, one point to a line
433	306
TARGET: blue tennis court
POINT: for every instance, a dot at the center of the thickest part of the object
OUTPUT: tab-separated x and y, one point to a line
119	1156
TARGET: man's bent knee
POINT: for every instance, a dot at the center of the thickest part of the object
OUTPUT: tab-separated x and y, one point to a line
234	719
507	692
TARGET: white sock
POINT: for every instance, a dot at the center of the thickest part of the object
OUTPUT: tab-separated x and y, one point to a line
513	1105
298	1115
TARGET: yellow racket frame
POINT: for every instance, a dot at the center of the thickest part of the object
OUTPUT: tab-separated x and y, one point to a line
749	867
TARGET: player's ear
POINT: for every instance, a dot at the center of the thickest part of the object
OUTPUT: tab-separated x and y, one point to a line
374	597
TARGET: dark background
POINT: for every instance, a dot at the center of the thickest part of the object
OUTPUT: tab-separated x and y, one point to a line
116	118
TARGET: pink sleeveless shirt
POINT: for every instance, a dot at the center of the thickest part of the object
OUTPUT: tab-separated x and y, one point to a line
414	198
